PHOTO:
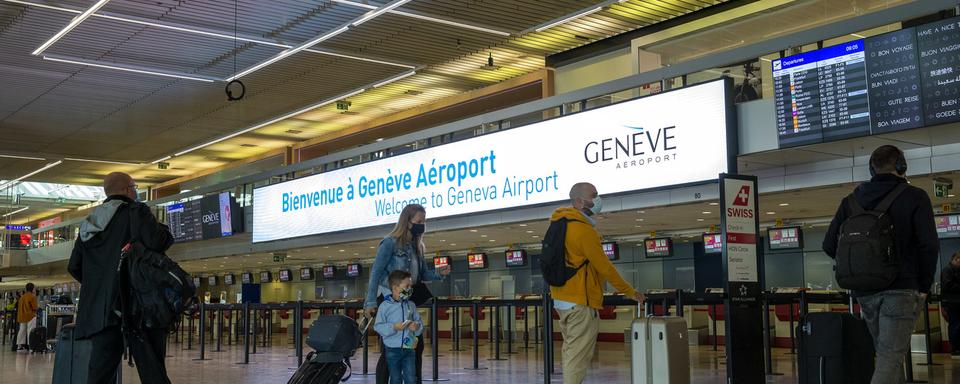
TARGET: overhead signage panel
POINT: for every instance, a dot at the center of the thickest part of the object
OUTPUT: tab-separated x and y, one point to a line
672	138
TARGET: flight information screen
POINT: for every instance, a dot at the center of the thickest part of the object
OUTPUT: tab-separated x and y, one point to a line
658	247
785	238
821	94
712	243
948	225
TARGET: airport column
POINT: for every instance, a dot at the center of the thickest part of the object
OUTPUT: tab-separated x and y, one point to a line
741	274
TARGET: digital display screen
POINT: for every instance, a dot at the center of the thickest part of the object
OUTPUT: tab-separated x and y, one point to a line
658	247
712	243
441	261
785	238
353	270
228	279
306	274
477	261
196	281
939	44
285	275
948	225
246	278
894	81
612	250
670	138
266	277
328	271
212	281
209	217
516	258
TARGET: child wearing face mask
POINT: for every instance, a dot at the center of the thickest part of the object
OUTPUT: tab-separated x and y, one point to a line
399	324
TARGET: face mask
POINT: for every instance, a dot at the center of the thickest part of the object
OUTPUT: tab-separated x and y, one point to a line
418	229
597	206
405	294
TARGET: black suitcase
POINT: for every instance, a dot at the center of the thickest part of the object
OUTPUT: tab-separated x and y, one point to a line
335	339
37	340
72	361
834	347
320	372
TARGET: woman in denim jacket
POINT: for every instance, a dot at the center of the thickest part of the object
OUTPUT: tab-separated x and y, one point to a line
403	250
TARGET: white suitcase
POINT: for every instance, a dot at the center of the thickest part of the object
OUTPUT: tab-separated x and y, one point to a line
659	351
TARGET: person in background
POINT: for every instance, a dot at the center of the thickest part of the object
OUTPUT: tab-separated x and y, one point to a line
399	325
579	300
950	292
402	250
27	308
891	313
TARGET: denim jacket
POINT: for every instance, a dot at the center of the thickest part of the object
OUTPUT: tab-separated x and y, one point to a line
389	259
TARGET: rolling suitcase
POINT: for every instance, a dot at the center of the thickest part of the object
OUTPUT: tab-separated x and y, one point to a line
72	359
834	348
334	340
659	351
37	340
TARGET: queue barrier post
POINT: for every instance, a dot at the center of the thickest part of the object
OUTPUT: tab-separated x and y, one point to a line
476	337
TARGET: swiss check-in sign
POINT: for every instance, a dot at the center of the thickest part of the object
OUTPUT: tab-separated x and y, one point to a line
740	230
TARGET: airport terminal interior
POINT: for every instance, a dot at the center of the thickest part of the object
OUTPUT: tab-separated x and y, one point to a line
280	140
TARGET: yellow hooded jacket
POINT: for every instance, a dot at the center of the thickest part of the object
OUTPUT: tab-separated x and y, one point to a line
583	243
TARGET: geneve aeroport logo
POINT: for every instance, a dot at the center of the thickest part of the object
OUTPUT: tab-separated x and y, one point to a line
635	147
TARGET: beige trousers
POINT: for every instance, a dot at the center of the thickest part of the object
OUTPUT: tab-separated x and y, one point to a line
579	327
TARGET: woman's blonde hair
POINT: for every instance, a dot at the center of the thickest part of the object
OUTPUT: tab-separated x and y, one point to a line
401	232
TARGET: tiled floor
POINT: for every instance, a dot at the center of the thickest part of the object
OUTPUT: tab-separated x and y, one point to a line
275	365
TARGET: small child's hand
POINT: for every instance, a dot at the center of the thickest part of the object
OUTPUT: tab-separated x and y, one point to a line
397	326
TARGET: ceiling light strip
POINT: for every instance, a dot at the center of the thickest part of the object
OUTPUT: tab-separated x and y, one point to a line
45	167
101	161
121	67
240	38
15	212
372	14
569	18
21	157
73	24
427	18
395	78
288	52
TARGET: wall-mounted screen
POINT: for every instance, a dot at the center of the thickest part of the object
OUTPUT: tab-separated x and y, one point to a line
229	279
670	138
210	217
611	249
212	281
441	261
196	281
477	261
712	243
266	277
306	274
948	225
785	238
353	270
516	258
658	247
899	80
328	271
246	278
285	275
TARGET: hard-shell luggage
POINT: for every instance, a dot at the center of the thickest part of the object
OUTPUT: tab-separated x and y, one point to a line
834	348
72	361
335	339
659	351
37	340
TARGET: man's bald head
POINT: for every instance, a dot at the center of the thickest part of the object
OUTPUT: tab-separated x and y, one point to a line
119	183
584	191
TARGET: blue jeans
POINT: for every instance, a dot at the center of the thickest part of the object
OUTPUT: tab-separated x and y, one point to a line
891	317
403	365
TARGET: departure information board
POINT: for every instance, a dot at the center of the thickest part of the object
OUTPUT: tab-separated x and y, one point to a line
900	80
210	217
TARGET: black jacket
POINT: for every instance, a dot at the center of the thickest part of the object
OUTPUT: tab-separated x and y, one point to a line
950	280
915	234
96	256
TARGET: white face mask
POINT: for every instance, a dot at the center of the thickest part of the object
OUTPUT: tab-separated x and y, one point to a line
597	205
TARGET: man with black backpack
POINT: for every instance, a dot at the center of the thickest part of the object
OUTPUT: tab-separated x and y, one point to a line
576	268
95	263
886	247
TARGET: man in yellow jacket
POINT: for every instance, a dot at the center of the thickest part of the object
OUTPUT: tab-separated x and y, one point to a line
579	300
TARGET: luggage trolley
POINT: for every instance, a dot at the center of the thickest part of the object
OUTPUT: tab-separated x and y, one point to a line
54	317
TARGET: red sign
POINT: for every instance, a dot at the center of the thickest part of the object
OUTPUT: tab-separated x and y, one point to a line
50	222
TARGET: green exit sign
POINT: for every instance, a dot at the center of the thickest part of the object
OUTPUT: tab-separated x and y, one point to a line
278	258
940	190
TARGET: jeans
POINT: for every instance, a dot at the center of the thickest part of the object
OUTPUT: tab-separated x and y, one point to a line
402	363
891	317
953	325
579	327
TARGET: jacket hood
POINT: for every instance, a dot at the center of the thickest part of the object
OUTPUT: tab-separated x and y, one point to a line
569	213
99	218
870	194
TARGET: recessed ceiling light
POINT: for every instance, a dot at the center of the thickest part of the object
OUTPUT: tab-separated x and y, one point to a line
259	262
784	204
706	212
535	236
473	230
453	244
441	240
714	204
521	225
641	212
771	213
951	195
529	231
356	254
343	250
492	241
637	226
373	247
483	235
699	219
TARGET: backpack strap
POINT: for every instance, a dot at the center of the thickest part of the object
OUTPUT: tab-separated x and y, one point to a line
854	206
888	201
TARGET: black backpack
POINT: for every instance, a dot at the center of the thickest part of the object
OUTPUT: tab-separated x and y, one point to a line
866	257
159	289
553	259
